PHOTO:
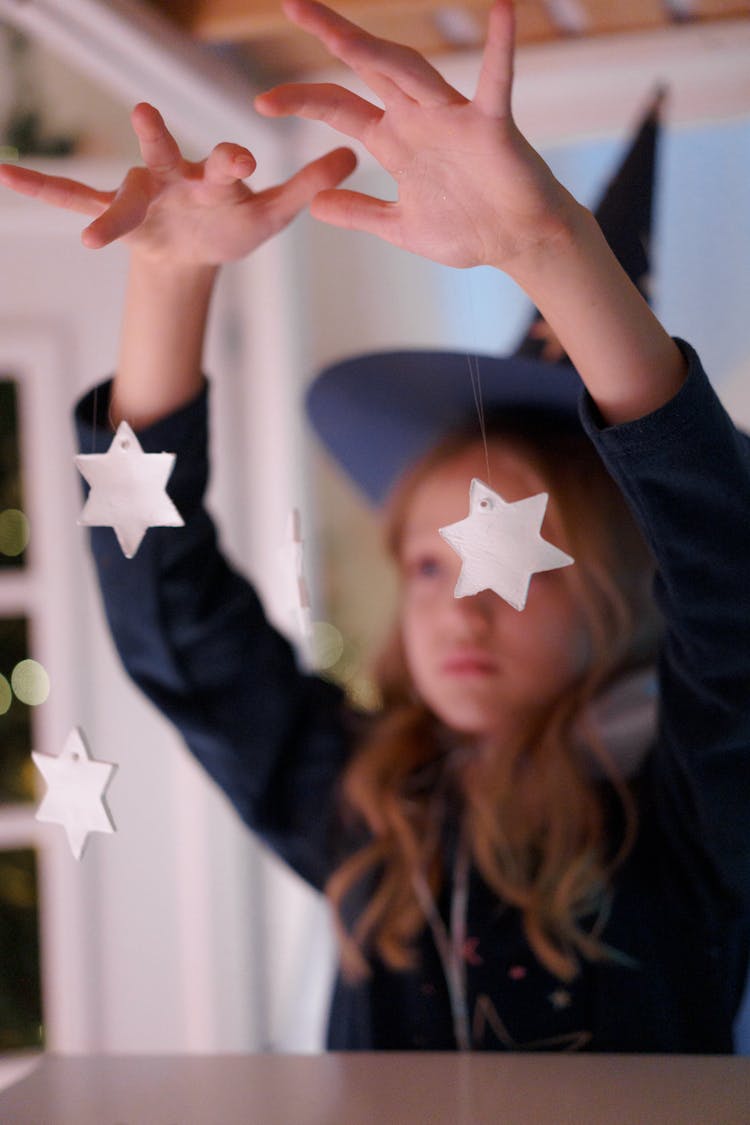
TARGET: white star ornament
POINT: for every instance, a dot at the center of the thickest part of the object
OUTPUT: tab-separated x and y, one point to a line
75	791
500	545
292	568
128	490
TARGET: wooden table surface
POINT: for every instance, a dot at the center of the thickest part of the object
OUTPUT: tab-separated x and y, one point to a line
381	1089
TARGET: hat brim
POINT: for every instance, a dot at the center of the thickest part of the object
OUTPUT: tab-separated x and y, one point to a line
378	413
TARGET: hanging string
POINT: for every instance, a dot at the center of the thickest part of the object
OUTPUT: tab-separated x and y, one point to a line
95	417
476	387
93	420
450	944
474	375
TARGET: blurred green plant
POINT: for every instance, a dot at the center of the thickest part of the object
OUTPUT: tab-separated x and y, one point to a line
24	133
17	772
21	1023
11	486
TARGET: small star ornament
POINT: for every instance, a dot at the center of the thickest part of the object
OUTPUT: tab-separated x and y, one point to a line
75	791
500	545
292	564
128	490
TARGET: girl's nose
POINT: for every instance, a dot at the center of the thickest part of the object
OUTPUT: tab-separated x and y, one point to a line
477	609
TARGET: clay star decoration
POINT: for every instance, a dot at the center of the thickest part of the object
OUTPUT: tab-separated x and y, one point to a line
292	563
500	545
75	791
128	490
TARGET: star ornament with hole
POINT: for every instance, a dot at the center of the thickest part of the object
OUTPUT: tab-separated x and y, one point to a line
500	545
75	791
292	569
128	490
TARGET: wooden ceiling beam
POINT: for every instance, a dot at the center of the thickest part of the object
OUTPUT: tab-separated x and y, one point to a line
242	20
719	9
602	16
272	47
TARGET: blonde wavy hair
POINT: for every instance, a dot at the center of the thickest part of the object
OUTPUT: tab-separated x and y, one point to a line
546	828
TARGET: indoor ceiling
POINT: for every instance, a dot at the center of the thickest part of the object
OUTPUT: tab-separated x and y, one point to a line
257	34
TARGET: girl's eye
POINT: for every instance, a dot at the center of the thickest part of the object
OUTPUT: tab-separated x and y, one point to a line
424	566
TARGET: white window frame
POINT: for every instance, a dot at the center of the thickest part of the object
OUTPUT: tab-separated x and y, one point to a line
31	356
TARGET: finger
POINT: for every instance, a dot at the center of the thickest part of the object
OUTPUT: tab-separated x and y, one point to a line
55	190
355	211
337	107
126	212
227	163
495	82
289	198
160	151
370	56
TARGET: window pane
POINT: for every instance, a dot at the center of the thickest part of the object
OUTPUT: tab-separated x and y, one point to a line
13	525
20	977
16	767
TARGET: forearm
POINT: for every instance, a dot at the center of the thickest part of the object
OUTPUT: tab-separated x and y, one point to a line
685	471
202	650
627	360
161	347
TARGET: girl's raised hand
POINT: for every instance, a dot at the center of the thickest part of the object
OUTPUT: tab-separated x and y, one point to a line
471	190
180	212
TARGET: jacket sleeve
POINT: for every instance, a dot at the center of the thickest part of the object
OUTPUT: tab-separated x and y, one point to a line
193	635
685	470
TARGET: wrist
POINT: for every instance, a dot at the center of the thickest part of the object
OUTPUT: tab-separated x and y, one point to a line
191	277
624	356
166	311
544	262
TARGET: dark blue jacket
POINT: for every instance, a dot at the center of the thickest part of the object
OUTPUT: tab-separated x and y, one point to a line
192	633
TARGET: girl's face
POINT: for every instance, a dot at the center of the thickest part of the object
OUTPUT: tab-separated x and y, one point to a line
483	667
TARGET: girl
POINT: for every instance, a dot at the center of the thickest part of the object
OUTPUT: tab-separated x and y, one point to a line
500	878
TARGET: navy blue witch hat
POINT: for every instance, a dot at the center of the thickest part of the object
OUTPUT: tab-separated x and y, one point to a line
379	412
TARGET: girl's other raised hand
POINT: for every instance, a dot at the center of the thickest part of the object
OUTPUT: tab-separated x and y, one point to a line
471	190
179	212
